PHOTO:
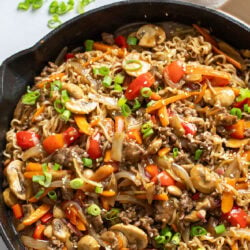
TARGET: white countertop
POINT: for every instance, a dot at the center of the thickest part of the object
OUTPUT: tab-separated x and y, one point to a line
22	29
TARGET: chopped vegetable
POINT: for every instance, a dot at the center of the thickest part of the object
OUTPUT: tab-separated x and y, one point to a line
244	95
125	109
87	162
163	116
46	218
163	151
107	80
66	115
135	134
132	65
53	142
38	232
112	214
121	41
76	183
237	129
131	40
89	45
93	148
136	105
30	97
105	48
70	135
119	79
98	190
82	124
152	170
175	152
220	229
146	92
36	215
165	179
198	154
160	239
17	211
27	139
174	71
94	210
189	128
144	80
54	22
237	216
176	239
52	195
237	112
59	107
198	231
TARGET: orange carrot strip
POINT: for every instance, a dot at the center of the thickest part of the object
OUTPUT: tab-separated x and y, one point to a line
243	185
228	58
105	203
163	151
53	142
205	34
157	197
33	166
163	116
135	134
36	215
105	48
30	174
119	124
94	122
17	211
38	232
83	124
34	199
235	246
236	91
199	97
169	100
55	174
108	193
51	78
107	157
37	113
227	199
155	97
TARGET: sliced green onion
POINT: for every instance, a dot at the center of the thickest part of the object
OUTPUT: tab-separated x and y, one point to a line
175	152
94	210
37	4
131	40
89	45
48	179
136	105
237	112
66	115
198	231
148	133
53	7
119	79
126	111
39	193
107	80
160	239
82	4
138	64
87	162
121	101
118	88
56	166
76	183
54	22
198	154
112	214
167	234
150	103
95	71
45	167
246	108
104	71
98	190
244	93
146	126
165	230
62	8
56	85
30	97
220	229
52	195
38	178
146	92
176	239
24	5
64	96
58	105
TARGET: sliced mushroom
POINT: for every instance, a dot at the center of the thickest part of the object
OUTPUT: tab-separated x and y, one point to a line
9	198
80	106
48	231
154	146
73	90
133	234
16	179
116	239
60	230
88	242
134	66
150	35
203	179
58	212
195	216
223	96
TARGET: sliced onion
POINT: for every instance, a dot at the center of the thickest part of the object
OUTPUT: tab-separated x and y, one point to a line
60	183
127	175
123	198
60	58
33	152
33	243
117	145
182	173
108	101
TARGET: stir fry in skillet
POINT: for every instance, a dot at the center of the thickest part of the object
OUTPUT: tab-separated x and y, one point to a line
140	141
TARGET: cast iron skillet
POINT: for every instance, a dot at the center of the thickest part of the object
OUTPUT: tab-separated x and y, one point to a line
19	70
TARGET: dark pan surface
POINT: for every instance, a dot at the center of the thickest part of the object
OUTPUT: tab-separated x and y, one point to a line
19	70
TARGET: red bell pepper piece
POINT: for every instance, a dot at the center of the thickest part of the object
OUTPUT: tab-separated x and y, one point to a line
93	146
69	55
196	196
38	232
70	135
237	129
152	170
174	71
27	139
164	179
189	128
46	218
143	80
121	42
242	103
237	216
